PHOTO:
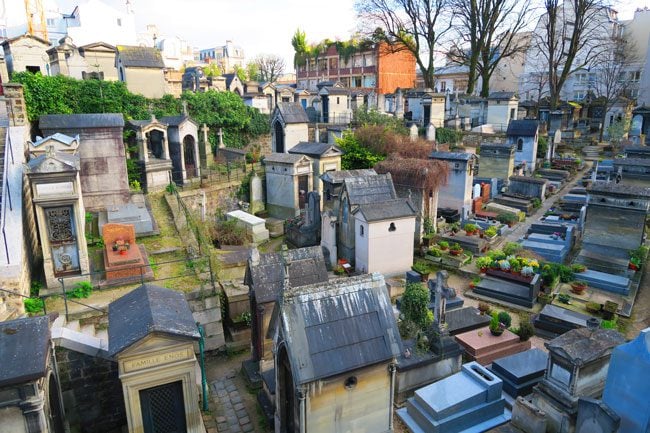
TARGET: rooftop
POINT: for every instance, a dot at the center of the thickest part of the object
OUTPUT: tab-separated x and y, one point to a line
80	121
454	156
389	209
140	57
522	128
292	112
314	149
370	189
266	277
338	177
283	158
339	326
24	349
611	188
146	310
582	345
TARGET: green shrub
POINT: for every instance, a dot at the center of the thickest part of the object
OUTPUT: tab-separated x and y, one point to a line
483	262
494	321
565	274
505	318
578	268
228	233
491	231
443	244
526	328
82	289
415	305
435	252
171	188
536	202
134	185
507	218
511	248
496	254
421	268
447	135
469	227
33	305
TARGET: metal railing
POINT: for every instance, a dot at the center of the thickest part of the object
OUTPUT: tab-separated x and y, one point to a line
6	191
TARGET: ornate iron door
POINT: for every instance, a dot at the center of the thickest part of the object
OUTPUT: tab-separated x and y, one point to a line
62	235
163	409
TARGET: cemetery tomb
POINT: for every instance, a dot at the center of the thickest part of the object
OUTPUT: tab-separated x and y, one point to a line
123	258
483	347
605	281
628	375
130	213
256	231
468	401
521	204
594	416
520	372
553	321
465	319
504	287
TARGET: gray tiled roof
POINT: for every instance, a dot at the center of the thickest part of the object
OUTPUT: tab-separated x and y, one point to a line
140	57
175	120
583	345
284	158
496	146
61	138
611	188
266	278
338	177
145	310
386	210
24	349
292	112
339	327
313	149
370	189
80	121
522	128
72	161
455	156
501	95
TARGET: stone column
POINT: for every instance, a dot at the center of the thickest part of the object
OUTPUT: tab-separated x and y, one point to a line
166	147
207	149
142	146
197	157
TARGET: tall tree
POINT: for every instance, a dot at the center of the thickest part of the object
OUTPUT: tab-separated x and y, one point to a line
570	35
485	33
270	67
416	26
613	78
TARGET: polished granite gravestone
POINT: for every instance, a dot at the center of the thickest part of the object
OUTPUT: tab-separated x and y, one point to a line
483	347
465	319
468	401
508	289
131	213
628	376
553	321
521	371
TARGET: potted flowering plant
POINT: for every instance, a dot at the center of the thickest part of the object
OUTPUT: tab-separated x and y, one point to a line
504	265
455	249
444	245
483	263
578	287
470	229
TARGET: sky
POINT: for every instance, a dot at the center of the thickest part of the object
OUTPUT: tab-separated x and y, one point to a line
263	26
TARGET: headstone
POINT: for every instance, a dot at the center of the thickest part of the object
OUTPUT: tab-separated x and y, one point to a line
431	132
317	134
312	216
520	372
449	294
399	104
465	319
483	347
413	132
557	140
476	191
256	194
553	321
130	214
220	134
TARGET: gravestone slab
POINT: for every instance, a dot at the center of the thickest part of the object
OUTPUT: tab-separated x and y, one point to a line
553	321
130	213
497	288
413	277
465	319
255	227
483	347
520	372
474	392
256	194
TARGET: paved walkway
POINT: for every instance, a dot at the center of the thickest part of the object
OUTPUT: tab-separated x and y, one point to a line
521	228
231	415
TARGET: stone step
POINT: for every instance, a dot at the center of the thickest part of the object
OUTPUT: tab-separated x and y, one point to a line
88	330
73	325
102	334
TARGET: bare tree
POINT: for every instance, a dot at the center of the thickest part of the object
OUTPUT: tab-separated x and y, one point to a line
613	76
270	67
570	35
416	26
485	33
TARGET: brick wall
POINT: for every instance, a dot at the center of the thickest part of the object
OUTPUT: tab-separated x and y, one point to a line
394	69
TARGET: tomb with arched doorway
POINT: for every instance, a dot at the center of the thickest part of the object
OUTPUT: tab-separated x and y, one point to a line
289	126
152	152
183	147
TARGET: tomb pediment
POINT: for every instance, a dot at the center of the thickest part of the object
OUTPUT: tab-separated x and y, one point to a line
53	163
60	142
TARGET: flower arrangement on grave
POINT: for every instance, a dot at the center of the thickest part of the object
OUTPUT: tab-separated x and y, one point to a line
499	322
515	265
434	251
637	256
454	227
121	246
527	271
491	232
455	249
470	229
483	263
578	287
564	298
423	269
474	282
577	268
444	245
504	265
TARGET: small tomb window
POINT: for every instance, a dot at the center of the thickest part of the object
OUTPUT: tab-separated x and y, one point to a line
520	145
560	374
361	231
392	227
351	382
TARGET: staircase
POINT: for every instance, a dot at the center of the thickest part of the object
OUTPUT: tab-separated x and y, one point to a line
592	153
80	337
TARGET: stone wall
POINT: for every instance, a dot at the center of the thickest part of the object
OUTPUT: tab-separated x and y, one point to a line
206	309
16	108
474	139
92	392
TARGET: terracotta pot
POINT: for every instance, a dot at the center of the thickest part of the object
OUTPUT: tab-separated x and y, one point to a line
123	252
632	266
578	289
483	270
455	252
472	285
496	333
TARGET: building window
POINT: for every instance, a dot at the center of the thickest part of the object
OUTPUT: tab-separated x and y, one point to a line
512	113
338	100
443	86
361	231
392	227
119	22
520	145
50	22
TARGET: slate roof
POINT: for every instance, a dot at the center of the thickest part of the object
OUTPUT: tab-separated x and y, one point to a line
140	57
611	188
501	95
313	149
337	177
528	179
229	78
522	128
176	120
73	161
146	310
582	345
61	138
338	327
292	112
266	278
24	349
284	158
370	189
454	156
386	210
80	121
496	146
